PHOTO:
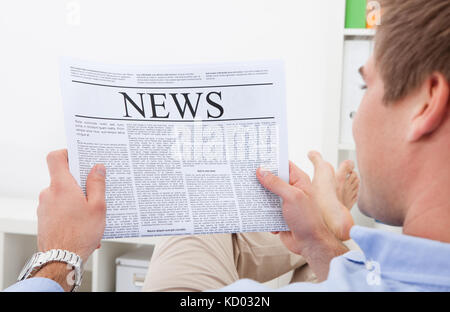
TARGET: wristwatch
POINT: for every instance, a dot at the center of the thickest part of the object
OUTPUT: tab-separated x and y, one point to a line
39	259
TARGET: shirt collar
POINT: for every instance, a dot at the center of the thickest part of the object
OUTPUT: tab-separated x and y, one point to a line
403	257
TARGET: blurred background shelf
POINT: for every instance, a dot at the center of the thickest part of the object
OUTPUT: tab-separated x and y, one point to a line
346	146
359	32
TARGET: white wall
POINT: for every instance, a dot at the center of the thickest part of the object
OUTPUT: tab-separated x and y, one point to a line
33	34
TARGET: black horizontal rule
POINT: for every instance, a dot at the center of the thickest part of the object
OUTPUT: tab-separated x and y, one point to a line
175	120
161	88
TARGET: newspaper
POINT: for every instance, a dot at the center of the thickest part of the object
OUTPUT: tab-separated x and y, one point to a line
181	144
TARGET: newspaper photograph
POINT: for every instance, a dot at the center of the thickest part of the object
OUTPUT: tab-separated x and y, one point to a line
180	143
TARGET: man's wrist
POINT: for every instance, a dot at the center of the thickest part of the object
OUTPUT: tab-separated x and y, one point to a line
58	272
319	249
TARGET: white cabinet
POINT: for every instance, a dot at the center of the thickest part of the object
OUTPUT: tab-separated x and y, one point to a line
131	269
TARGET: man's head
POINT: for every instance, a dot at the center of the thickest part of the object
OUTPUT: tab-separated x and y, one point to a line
402	128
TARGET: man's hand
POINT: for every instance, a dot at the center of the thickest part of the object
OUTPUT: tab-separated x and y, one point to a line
301	214
310	234
67	219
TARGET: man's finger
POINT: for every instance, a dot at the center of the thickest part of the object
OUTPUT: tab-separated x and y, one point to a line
274	184
95	186
58	165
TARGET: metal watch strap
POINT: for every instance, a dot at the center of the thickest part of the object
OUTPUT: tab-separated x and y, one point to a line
40	259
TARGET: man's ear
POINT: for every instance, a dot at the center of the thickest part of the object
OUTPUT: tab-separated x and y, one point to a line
430	114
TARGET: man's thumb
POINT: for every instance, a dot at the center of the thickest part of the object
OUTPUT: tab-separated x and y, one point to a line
95	186
273	183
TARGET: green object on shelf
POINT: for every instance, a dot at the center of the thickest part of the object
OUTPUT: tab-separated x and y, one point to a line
355	14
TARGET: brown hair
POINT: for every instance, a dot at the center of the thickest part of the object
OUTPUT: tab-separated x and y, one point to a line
412	42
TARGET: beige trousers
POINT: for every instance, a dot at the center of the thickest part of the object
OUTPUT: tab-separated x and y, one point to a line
202	262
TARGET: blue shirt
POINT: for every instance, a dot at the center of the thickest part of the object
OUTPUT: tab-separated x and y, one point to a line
35	284
388	262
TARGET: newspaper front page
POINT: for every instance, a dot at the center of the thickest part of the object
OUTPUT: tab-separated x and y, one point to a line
181	144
